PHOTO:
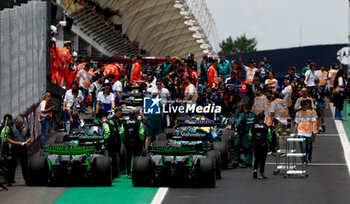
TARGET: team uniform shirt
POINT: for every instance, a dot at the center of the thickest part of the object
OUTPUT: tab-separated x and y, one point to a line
322	76
135	72
117	86
66	55
287	95
193	75
224	67
293	79
84	78
297	103
305	120
94	89
260	103
274	86
212	76
279	108
163	94
105	101
250	73
69	94
233	81
262	73
331	75
72	104
268	120
191	91
310	77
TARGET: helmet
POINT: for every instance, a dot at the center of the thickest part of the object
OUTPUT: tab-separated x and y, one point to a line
53	30
75	54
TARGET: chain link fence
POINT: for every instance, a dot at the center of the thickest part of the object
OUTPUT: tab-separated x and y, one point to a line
22	59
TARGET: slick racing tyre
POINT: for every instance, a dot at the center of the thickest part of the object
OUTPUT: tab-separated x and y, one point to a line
222	148
207	173
141	172
37	171
215	156
103	171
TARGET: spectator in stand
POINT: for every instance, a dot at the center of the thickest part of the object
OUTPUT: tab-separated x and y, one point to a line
268	66
331	75
338	93
262	73
292	77
304	120
310	77
118	89
204	69
84	77
135	74
224	67
212	73
260	102
307	67
105	101
94	89
45	114
279	113
271	83
250	73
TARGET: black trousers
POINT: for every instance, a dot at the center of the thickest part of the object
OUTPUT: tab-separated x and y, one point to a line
250	94
113	153
21	153
132	150
260	154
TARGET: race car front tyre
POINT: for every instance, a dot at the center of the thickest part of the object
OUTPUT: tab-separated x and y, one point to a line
222	148
103	171
141	171
207	173
37	171
215	156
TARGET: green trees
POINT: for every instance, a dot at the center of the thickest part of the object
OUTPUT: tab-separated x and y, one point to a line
240	45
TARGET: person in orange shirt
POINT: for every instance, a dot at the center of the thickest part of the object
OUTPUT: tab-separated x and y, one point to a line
250	73
56	60
322	75
212	73
64	71
260	102
136	70
331	75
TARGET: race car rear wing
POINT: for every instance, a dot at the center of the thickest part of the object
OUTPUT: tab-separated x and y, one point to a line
69	150
188	136
174	151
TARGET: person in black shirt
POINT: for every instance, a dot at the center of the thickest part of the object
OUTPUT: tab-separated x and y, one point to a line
262	73
191	63
259	138
292	77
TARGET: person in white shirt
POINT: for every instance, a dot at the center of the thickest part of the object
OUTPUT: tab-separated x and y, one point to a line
310	76
45	112
72	115
191	94
105	101
161	92
73	84
118	88
94	89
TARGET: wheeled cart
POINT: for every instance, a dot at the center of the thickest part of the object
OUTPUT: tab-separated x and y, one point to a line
293	168
281	159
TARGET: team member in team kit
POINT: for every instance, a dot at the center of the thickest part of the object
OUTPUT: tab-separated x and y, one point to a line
72	115
105	101
260	137
132	134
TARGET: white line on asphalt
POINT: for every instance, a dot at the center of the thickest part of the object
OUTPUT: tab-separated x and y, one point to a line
314	164
160	195
343	139
327	135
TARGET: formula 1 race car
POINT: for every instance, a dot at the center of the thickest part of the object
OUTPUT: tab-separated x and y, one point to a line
80	160
175	163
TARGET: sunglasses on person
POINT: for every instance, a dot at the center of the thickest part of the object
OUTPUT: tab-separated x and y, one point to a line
159	84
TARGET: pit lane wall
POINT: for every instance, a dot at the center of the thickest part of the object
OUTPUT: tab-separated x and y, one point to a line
23	61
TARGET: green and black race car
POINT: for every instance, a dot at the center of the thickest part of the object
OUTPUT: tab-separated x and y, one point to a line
82	159
175	161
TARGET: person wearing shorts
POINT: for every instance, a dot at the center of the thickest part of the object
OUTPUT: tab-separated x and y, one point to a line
154	128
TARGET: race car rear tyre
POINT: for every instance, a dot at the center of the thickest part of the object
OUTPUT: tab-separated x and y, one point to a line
159	144
226	135
37	171
207	172
141	171
222	148
103	171
59	139
215	156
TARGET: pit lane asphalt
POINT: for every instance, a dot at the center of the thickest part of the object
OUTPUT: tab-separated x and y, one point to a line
328	181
